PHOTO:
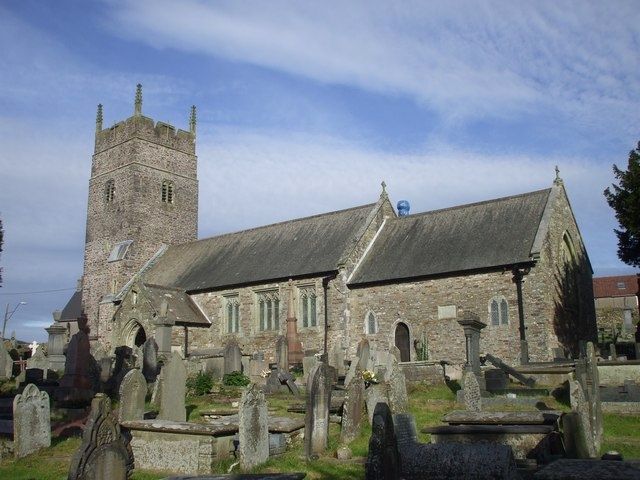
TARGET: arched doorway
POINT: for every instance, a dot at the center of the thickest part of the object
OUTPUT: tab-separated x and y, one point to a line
402	341
133	334
140	338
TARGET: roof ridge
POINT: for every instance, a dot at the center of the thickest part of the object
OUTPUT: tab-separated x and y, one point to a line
473	204
368	205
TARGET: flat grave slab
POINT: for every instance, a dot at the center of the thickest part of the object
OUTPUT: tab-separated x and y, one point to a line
569	469
458	417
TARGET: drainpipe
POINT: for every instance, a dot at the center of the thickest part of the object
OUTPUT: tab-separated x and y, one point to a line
518	275
325	290
186	342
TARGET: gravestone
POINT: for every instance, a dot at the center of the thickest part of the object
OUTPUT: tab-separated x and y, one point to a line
138	356
471	395
308	364
150	360
257	367
105	364
174	377
376	393
6	362
133	390
472	326
105	454
383	456
591	388
232	358
364	355
55	346
316	422
352	414
76	386
395	352
282	353
577	429
31	421
613	354
253	428
397	385
496	380
337	358
38	360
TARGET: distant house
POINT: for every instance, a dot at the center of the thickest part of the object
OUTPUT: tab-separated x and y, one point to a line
616	300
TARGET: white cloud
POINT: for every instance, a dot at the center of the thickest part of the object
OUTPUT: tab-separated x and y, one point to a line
461	58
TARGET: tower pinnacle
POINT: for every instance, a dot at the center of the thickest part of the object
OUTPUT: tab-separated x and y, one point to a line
557	180
138	102
192	120
99	118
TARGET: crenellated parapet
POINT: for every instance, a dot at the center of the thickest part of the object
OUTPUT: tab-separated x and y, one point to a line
144	128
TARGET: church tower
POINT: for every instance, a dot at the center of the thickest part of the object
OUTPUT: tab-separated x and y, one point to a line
143	194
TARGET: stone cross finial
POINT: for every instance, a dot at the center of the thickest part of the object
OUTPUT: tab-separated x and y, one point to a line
99	118
557	180
34	347
384	189
192	120
138	102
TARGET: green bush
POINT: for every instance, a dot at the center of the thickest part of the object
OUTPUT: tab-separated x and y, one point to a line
236	379
199	384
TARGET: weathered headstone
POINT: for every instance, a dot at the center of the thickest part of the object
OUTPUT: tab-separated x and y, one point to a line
395	352
397	386
133	390
376	393
232	358
105	454
150	360
31	421
282	353
471	395
613	354
253	428
174	377
364	355
308	364
577	429
316	426
352	414
257	367
76	386
383	457
337	358
6	362
472	326
38	360
55	346
591	386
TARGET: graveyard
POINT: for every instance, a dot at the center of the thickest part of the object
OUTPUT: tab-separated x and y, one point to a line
225	414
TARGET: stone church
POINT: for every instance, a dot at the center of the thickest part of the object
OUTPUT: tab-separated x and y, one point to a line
517	264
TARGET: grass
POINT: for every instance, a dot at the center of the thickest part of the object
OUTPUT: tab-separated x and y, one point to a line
428	404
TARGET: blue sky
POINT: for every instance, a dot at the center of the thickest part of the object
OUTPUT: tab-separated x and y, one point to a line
304	107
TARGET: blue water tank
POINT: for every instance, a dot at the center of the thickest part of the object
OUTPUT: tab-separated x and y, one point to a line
403	208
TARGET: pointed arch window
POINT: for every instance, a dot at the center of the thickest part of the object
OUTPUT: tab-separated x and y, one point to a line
268	310
232	314
370	324
499	311
167	191
308	307
109	191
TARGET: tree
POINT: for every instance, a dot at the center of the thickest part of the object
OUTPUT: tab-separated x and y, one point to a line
625	200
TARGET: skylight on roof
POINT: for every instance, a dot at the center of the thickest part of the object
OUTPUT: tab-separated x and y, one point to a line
119	251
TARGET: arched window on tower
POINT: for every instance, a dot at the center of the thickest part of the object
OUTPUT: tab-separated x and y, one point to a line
109	191
167	191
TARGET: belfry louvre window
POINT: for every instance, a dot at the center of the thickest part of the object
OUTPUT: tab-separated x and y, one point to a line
308	307
268	310
119	251
167	192
232	314
499	310
109	191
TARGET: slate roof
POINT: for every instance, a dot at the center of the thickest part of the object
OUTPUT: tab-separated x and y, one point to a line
469	237
181	308
295	248
73	309
616	286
